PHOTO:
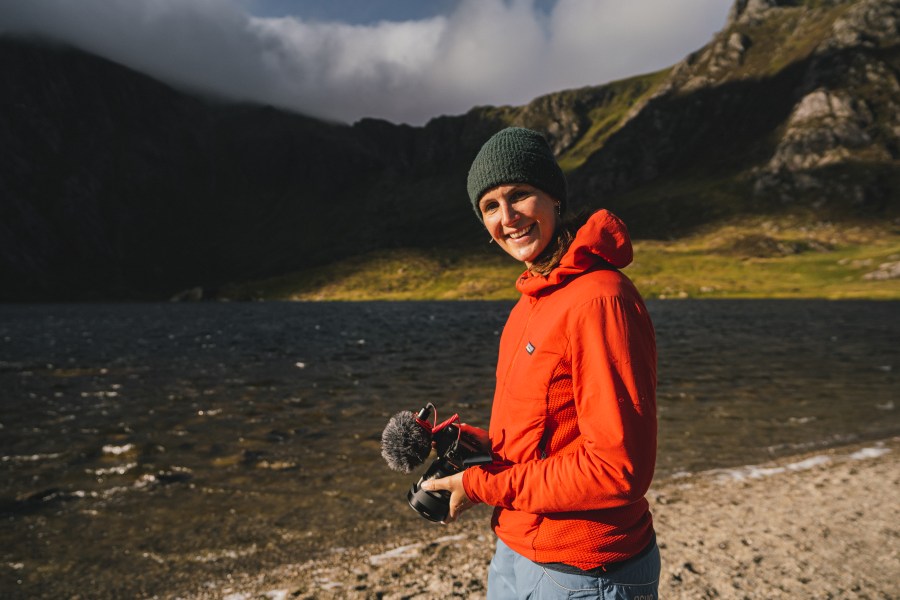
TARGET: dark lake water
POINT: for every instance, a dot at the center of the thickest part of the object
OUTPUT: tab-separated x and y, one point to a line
146	449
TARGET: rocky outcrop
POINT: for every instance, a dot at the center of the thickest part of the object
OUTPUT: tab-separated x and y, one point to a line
719	59
868	24
799	101
562	117
749	11
888	270
848	109
825	128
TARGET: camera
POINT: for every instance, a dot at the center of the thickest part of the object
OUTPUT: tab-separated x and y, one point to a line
407	441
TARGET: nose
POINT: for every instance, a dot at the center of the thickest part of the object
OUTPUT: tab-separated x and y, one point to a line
509	214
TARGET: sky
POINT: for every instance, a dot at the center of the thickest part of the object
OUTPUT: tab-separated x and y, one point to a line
405	61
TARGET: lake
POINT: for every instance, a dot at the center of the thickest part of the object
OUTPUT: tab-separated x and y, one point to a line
147	448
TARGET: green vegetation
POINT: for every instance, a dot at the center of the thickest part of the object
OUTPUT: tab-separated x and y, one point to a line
765	260
777	43
794	37
619	100
404	274
759	259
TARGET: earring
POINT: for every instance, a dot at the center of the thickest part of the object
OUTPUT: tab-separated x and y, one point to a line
558	209
491	241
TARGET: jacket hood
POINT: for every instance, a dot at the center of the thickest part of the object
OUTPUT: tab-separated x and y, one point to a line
602	239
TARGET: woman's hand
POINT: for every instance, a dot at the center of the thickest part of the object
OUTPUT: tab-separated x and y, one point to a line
459	502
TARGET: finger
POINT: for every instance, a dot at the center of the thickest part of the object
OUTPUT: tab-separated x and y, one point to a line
456	509
451	516
433	484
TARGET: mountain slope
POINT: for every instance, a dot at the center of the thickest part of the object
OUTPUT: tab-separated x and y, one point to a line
792	104
115	186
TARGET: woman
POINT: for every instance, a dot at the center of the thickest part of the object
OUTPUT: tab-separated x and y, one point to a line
573	422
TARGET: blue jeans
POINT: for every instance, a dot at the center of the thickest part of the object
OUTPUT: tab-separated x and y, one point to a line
513	577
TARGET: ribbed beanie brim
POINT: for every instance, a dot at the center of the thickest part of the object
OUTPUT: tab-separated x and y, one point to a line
516	155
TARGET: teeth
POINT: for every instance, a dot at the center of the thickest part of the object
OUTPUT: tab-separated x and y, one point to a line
521	232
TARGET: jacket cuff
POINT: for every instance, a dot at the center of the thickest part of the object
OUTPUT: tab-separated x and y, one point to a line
469	483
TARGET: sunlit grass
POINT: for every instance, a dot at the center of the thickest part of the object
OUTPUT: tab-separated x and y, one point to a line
750	260
393	275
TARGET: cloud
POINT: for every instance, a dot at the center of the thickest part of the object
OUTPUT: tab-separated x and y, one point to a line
483	52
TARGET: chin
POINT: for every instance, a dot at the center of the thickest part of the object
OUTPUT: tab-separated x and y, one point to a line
528	255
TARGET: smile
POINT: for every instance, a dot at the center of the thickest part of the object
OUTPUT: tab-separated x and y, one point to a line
521	232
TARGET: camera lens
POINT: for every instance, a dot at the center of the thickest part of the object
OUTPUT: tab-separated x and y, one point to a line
434	506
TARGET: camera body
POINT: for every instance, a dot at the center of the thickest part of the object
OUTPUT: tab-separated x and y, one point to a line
458	446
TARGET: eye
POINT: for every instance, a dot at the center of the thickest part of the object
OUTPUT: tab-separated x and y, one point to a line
519	195
489	207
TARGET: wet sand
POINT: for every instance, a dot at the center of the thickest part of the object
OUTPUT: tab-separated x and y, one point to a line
820	525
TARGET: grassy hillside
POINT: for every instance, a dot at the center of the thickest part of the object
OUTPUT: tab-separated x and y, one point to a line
787	259
784	259
619	100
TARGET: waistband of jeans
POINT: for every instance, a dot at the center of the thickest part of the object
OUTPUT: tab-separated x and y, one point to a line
602	569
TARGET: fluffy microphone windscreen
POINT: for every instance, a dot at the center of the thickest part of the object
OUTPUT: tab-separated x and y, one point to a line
404	443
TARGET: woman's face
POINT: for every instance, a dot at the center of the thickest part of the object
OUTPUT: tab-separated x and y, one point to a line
520	218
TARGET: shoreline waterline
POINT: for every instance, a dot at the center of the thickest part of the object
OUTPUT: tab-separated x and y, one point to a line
451	561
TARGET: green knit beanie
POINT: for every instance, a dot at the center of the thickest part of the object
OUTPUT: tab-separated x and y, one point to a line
516	155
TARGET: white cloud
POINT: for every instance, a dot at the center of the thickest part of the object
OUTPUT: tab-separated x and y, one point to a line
348	71
485	52
594	41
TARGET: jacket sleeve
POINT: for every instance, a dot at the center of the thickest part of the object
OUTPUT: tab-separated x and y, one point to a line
613	356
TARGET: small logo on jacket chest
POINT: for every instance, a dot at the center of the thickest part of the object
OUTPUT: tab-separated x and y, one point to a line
529	348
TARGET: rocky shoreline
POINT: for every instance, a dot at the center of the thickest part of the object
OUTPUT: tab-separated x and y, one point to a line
821	525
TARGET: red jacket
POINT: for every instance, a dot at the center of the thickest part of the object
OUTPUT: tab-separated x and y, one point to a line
573	423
